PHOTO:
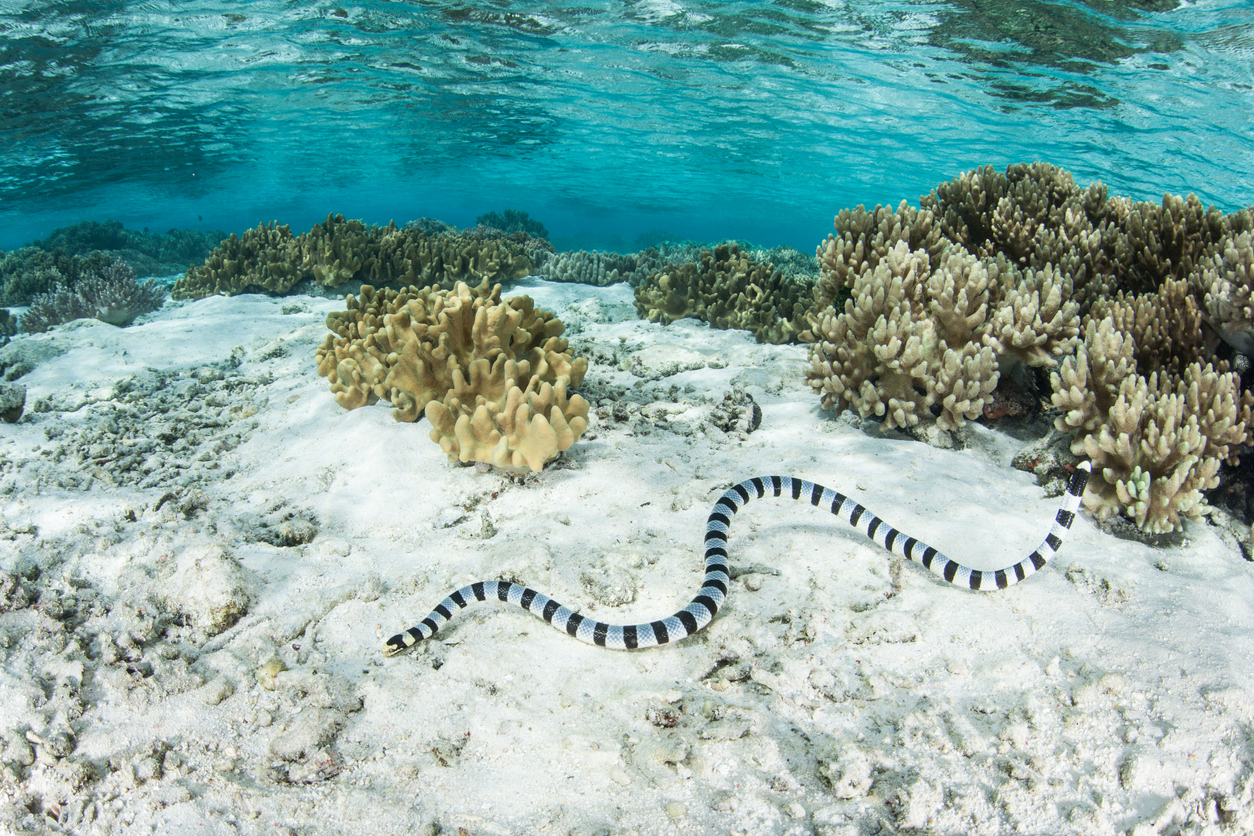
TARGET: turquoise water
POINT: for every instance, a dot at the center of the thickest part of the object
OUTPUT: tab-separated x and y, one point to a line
604	120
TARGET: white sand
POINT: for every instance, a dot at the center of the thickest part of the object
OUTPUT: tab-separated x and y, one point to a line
1109	693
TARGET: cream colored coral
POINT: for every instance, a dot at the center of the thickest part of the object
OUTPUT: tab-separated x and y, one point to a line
1037	320
876	355
924	334
521	434
864	238
462	350
1165	326
1228	279
1155	441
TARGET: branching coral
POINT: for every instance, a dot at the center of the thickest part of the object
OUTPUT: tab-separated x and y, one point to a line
728	290
30	271
491	376
267	258
1166	241
1144	397
914	339
1228	282
863	239
112	295
990	212
1156	438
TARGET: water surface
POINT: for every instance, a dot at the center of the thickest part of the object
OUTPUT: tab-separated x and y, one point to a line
605	120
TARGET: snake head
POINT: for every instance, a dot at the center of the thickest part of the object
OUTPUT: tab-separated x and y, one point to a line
397	644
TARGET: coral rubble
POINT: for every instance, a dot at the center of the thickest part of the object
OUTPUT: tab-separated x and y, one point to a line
491	376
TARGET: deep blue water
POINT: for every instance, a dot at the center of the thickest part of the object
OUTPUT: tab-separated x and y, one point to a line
604	120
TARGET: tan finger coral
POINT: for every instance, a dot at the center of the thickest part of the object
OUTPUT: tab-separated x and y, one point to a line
1036	320
265	258
990	212
1228	280
923	335
1156	439
863	239
500	365
1166	241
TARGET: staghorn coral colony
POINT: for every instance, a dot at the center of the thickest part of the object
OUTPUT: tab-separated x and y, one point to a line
923	311
491	376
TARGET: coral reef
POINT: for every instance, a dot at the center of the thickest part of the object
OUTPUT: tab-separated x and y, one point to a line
728	290
788	260
266	257
916	339
1156	436
70	253
430	226
1035	215
491	376
863	239
336	251
30	271
148	254
112	295
926	310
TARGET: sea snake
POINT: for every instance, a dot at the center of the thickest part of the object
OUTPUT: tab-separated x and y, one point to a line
700	611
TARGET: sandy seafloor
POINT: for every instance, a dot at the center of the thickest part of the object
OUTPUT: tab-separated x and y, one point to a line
835	694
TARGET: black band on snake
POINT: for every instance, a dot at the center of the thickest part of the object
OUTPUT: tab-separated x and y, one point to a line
701	610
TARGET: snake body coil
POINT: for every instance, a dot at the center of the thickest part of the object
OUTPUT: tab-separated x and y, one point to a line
701	610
